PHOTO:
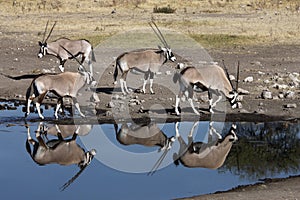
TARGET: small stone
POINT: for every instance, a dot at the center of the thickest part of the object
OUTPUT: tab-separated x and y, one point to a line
249	79
243	91
266	95
290	95
261	73
291	105
280	96
231	77
168	72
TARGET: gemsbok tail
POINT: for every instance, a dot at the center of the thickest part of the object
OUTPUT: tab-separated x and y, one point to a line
116	72
93	55
176	77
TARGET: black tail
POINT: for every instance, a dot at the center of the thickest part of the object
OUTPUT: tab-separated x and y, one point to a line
176	77
116	71
93	56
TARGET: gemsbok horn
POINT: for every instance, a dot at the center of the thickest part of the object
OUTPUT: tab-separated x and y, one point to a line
76	47
210	155
212	79
58	151
147	61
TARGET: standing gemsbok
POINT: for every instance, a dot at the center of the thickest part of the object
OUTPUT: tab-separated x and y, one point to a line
147	61
66	84
212	79
197	154
76	47
58	151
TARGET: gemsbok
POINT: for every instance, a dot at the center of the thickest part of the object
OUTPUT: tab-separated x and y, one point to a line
147	135
212	79
76	47
67	130
147	61
58	151
66	84
210	155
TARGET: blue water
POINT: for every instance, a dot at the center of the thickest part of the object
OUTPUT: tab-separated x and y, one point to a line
112	174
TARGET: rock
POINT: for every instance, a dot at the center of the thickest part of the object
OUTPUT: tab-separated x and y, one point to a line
294	79
168	72
266	94
280	96
257	63
249	79
291	105
243	92
280	86
231	77
261	73
290	95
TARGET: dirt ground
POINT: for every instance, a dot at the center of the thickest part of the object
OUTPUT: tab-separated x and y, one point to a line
274	67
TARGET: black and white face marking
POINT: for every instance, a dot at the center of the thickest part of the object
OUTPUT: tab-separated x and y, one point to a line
233	100
232	133
43	48
170	55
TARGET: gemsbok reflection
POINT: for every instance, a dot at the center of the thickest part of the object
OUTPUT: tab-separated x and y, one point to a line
210	155
60	151
147	135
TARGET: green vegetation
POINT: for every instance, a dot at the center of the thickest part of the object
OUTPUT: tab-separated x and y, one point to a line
223	40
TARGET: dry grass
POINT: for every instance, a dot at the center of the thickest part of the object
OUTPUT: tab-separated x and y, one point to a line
214	23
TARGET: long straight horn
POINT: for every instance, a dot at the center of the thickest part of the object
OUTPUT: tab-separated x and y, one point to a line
69	182
159	34
237	76
50	31
227	74
45	31
74	57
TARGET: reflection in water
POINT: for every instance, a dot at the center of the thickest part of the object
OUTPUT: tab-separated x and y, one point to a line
59	150
147	135
265	149
198	154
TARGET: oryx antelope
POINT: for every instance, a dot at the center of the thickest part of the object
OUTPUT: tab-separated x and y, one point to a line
58	151
66	84
148	135
197	154
212	79
147	61
67	130
76	47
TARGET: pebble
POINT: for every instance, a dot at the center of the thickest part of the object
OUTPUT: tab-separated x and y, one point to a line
249	79
290	95
266	94
291	105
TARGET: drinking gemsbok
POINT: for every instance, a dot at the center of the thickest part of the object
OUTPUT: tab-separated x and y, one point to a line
212	79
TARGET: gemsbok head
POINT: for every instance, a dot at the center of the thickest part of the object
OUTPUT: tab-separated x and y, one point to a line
76	47
210	155
60	151
212	79
147	61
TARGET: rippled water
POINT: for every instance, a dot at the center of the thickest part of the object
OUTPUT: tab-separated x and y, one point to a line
263	150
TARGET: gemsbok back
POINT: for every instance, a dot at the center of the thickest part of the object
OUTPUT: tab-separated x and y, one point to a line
148	135
147	61
197	154
76	47
58	151
66	84
212	79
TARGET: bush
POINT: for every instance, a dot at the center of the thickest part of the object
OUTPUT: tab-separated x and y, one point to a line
166	10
